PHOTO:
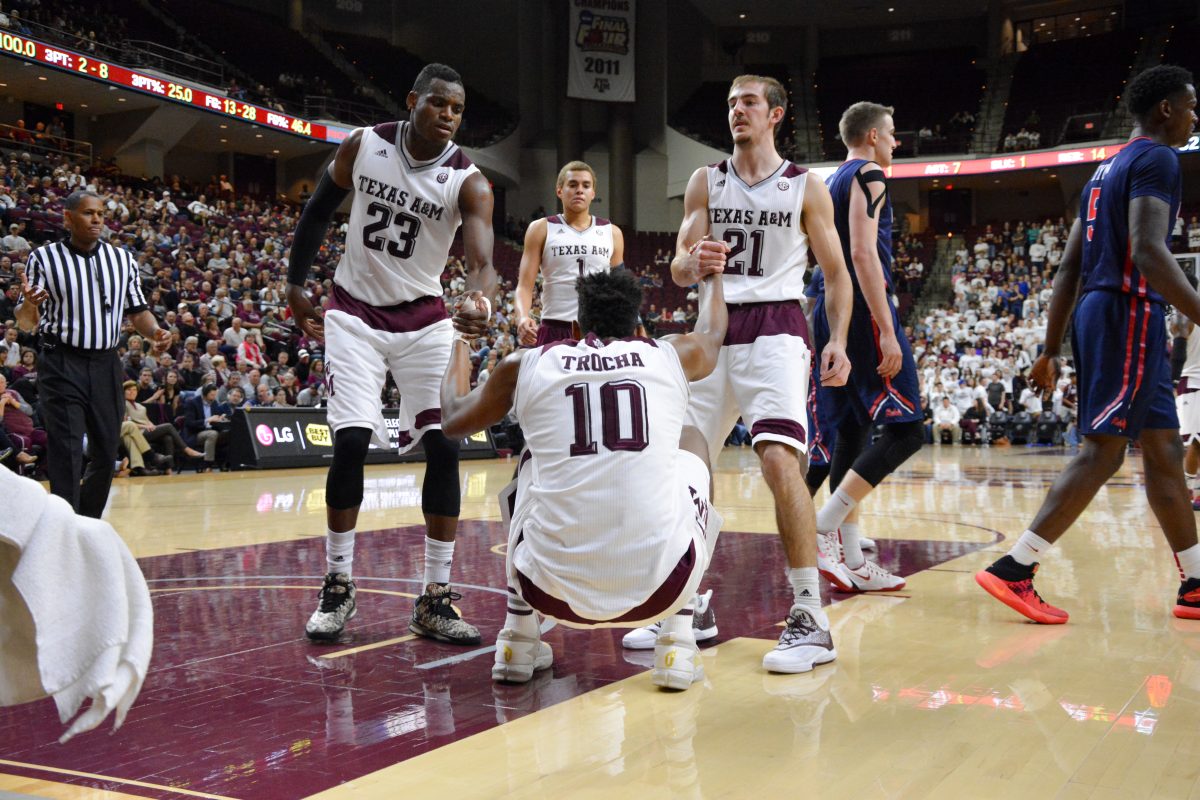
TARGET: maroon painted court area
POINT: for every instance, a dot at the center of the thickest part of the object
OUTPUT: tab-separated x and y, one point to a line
239	703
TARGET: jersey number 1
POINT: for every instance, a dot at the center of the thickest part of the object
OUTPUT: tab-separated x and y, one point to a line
610	417
375	239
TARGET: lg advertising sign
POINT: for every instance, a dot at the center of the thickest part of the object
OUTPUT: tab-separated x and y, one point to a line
271	438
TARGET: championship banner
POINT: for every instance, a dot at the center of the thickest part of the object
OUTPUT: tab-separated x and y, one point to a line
272	438
601	50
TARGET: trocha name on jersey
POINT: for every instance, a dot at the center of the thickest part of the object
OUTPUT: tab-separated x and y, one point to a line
390	194
594	362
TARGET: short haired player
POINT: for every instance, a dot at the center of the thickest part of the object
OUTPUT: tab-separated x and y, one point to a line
884	387
611	524
1117	261
563	248
412	188
823	405
753	217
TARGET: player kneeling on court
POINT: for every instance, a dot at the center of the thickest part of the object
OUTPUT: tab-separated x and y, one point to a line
611	524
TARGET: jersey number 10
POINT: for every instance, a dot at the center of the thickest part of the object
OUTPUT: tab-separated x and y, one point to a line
375	239
610	417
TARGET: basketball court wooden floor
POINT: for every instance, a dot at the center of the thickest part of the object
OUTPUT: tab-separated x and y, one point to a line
938	690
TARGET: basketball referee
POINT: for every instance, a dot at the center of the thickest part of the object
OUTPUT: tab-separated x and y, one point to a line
76	292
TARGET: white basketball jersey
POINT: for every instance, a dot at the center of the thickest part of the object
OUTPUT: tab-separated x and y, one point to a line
602	423
403	219
1191	365
761	223
567	255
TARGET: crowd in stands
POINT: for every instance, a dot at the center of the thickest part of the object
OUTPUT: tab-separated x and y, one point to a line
84	28
974	356
213	269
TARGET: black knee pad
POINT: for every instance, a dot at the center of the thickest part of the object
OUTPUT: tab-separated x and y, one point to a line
899	441
440	492
852	436
344	484
817	473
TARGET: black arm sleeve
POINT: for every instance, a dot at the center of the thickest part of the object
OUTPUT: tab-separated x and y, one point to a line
310	231
1178	357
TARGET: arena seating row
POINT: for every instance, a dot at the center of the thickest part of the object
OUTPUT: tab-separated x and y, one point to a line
926	88
258	44
1061	79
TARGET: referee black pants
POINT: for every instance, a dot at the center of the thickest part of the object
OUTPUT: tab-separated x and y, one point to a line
80	392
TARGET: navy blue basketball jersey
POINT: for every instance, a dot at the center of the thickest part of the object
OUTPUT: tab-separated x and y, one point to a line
816	283
840	184
1143	168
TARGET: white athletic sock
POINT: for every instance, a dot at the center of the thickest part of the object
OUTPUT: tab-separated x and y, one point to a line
680	623
521	617
1191	480
852	552
805	589
835	510
438	557
1189	561
1029	548
339	551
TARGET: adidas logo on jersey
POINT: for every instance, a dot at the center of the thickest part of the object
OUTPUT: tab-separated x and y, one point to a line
382	152
721	182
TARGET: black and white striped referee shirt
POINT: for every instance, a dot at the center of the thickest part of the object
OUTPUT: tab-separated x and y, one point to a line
89	293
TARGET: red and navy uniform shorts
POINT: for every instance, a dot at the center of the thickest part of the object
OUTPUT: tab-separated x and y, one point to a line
1120	346
867	394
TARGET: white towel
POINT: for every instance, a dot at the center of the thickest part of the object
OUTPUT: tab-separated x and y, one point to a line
75	614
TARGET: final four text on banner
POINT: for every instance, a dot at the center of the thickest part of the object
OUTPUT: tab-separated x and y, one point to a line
601	46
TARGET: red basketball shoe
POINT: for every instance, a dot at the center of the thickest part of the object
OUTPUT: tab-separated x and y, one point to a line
1187	604
1011	583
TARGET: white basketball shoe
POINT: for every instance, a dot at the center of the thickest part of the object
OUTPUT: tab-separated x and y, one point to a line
867	543
871	577
829	562
676	661
518	657
704	625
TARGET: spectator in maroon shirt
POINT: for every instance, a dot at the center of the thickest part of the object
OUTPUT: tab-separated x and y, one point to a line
17	416
250	316
28	365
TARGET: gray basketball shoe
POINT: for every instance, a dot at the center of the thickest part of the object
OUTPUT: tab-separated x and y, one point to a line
435	618
335	608
804	643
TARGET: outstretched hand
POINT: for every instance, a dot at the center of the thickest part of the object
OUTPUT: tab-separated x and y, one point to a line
32	294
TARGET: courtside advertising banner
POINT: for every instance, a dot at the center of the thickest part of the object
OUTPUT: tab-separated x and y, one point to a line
601	50
271	438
